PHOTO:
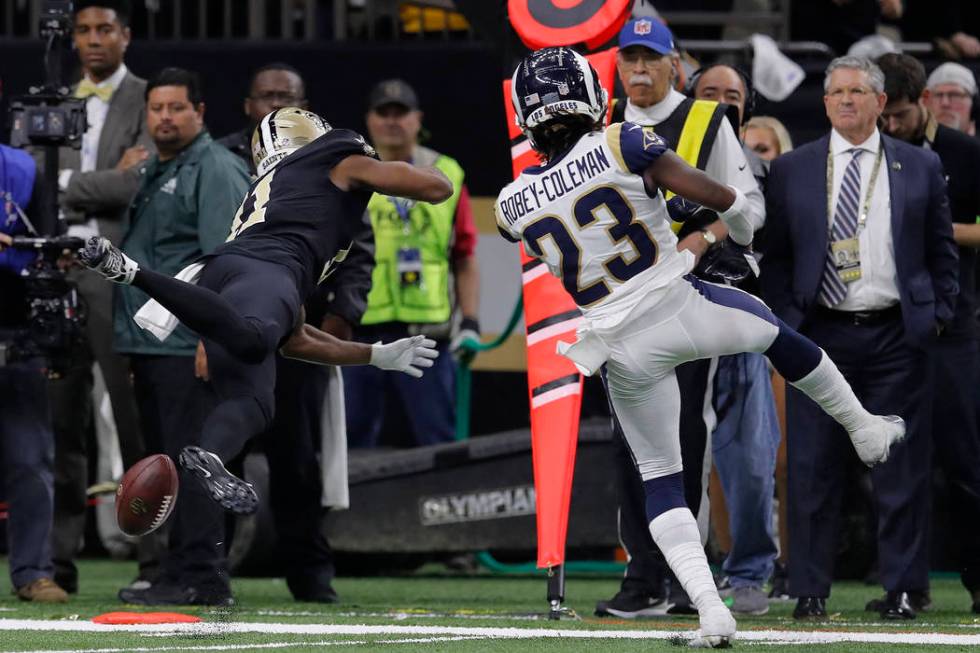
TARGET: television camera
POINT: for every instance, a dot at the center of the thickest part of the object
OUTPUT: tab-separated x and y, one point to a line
47	118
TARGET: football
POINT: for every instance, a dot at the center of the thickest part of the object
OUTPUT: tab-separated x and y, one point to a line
146	495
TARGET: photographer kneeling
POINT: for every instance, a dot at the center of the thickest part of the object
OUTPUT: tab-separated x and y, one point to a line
26	437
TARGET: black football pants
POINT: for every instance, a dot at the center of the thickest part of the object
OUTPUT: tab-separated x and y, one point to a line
243	308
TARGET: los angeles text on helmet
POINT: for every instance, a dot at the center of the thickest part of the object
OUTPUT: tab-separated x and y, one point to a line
555	183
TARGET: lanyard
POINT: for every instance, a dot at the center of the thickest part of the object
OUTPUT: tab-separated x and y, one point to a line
866	205
402	207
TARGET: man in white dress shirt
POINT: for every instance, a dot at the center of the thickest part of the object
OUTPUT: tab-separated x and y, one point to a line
860	258
96	186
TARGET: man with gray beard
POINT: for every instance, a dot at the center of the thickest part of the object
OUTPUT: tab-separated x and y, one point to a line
700	133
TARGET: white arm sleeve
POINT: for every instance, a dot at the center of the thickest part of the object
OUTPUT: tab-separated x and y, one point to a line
739	225
728	165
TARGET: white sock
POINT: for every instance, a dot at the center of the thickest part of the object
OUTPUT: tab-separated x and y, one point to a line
676	533
828	387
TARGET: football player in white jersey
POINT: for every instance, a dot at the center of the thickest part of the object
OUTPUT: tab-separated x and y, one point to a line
594	213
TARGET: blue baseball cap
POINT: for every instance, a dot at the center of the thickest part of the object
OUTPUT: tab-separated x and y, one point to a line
649	33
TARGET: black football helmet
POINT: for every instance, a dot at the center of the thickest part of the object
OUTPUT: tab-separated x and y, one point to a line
555	82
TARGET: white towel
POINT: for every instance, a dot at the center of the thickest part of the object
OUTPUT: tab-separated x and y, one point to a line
774	75
333	445
153	317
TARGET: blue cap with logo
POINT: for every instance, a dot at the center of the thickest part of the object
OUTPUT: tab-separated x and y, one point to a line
649	33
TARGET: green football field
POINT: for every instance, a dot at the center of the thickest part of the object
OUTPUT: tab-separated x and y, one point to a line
434	610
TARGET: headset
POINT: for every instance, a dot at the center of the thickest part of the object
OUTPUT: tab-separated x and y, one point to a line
749	110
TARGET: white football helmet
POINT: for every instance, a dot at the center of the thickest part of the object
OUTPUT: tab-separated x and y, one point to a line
281	133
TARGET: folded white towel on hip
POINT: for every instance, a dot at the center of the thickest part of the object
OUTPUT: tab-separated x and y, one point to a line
156	319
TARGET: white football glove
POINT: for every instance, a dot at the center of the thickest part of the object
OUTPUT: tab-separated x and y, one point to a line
408	355
874	441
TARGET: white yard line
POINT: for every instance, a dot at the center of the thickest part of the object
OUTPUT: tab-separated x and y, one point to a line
221	647
218	629
273	645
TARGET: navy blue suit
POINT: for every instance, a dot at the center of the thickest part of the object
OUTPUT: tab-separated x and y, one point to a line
880	353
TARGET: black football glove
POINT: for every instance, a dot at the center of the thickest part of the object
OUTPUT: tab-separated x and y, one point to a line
680	209
727	261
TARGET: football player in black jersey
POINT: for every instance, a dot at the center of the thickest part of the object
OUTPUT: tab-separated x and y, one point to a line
295	223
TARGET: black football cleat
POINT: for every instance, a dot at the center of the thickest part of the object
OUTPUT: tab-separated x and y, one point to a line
631	604
167	592
100	255
311	588
231	492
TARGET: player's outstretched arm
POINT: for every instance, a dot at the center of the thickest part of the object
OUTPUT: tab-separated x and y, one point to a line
395	178
673	173
408	355
307	343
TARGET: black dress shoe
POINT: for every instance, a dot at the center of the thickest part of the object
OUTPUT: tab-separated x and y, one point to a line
895	605
920	600
810	607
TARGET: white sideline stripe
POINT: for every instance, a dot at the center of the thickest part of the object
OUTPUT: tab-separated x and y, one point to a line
273	645
554	330
534	273
210	647
556	394
225	628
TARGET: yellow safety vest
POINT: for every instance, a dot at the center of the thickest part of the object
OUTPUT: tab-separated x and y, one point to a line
426	229
690	131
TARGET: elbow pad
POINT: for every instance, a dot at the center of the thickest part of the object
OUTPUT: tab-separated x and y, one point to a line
739	226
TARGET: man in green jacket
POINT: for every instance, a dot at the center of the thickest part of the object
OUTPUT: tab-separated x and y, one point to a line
187	198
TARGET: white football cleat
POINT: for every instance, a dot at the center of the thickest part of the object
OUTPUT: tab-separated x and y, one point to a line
874	440
717	628
103	257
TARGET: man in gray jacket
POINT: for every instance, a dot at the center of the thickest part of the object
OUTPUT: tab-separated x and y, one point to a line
96	185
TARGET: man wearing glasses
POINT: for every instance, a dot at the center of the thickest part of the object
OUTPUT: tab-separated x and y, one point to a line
951	91
273	86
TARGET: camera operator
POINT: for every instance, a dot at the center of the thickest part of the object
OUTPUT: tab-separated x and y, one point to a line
26	438
96	186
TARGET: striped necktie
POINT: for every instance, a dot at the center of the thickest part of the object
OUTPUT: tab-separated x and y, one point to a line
845	226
